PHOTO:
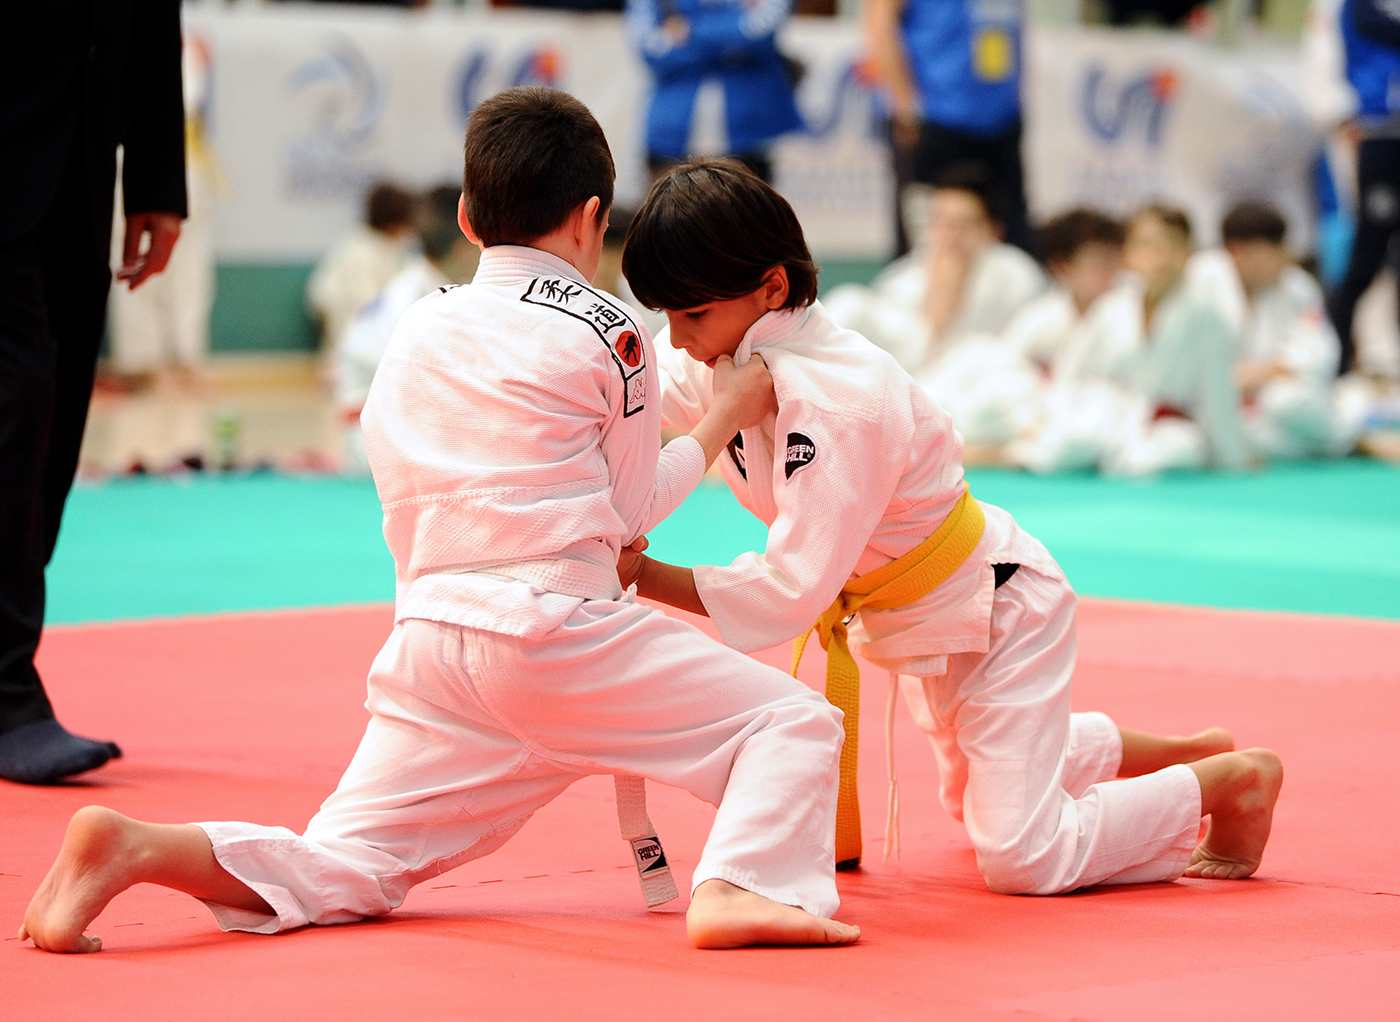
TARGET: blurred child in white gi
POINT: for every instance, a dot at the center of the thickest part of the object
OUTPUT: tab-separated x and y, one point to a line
514	432
995	386
354	270
859	479
445	257
1149	384
1288	348
963	282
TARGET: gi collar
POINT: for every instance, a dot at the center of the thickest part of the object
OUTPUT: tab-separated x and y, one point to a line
509	264
772	328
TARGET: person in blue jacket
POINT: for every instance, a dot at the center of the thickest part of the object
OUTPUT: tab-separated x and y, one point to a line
727	46
1371	42
952	72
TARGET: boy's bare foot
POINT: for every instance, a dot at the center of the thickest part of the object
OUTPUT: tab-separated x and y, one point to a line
1238	792
1211	742
1145	754
93	866
724	916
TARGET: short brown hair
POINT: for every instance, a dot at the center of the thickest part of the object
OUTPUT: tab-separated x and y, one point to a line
1170	217
1061	238
532	156
1254	221
711	230
388	206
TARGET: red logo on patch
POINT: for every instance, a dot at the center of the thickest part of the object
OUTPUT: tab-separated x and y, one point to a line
629	349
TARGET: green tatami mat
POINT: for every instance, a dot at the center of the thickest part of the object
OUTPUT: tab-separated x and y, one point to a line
1321	538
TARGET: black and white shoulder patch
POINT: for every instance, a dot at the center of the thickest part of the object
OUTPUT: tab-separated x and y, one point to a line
613	327
800	451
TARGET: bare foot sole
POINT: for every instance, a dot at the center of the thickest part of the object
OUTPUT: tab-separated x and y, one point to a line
92	868
1242	818
724	916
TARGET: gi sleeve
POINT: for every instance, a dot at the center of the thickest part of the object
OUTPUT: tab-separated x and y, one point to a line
679	469
833	478
684	395
153	168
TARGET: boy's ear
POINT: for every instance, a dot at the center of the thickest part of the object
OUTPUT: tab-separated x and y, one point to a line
588	214
776	288
466	224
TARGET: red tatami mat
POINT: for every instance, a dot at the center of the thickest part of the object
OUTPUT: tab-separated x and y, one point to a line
253	717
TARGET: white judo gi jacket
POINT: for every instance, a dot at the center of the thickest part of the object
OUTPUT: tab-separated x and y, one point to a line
552	496
857	468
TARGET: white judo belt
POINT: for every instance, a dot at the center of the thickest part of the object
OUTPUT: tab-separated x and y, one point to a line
658	886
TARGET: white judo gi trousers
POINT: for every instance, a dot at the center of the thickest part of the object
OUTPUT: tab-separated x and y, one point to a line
1034	783
472	731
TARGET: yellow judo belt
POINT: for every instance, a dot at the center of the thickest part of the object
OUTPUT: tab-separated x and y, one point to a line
901	582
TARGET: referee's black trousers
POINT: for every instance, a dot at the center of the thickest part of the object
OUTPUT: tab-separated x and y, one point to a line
1377	223
53	300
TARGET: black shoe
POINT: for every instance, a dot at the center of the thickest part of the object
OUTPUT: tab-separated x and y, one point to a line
44	752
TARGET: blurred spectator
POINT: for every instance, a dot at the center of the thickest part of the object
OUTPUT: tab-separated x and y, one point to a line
76	81
1083	251
963	282
1149	385
719	85
995	386
952	70
360	264
1370	32
1288	350
446	258
165	325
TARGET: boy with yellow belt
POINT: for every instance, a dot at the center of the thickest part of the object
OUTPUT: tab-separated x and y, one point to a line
873	536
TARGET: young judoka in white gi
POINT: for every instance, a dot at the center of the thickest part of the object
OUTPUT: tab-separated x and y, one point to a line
1149	384
514	432
1288	349
860	481
995	387
963	282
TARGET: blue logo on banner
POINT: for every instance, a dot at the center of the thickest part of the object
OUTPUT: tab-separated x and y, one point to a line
1135	108
541	65
347	105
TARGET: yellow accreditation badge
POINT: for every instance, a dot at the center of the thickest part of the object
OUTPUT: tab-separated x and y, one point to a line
992	54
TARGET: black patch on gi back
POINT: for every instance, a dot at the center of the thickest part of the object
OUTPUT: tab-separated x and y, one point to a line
736	452
800	451
613	327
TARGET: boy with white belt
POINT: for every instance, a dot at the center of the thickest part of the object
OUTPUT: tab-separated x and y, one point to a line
873	536
513	431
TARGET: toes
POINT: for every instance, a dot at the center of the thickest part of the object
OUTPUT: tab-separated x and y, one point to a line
842	933
23	932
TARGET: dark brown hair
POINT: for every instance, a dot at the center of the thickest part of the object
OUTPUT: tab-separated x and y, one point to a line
711	230
1061	238
437	221
1254	221
388	206
1169	216
532	156
974	178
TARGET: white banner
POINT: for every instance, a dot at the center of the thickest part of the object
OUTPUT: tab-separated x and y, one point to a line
1115	119
309	104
